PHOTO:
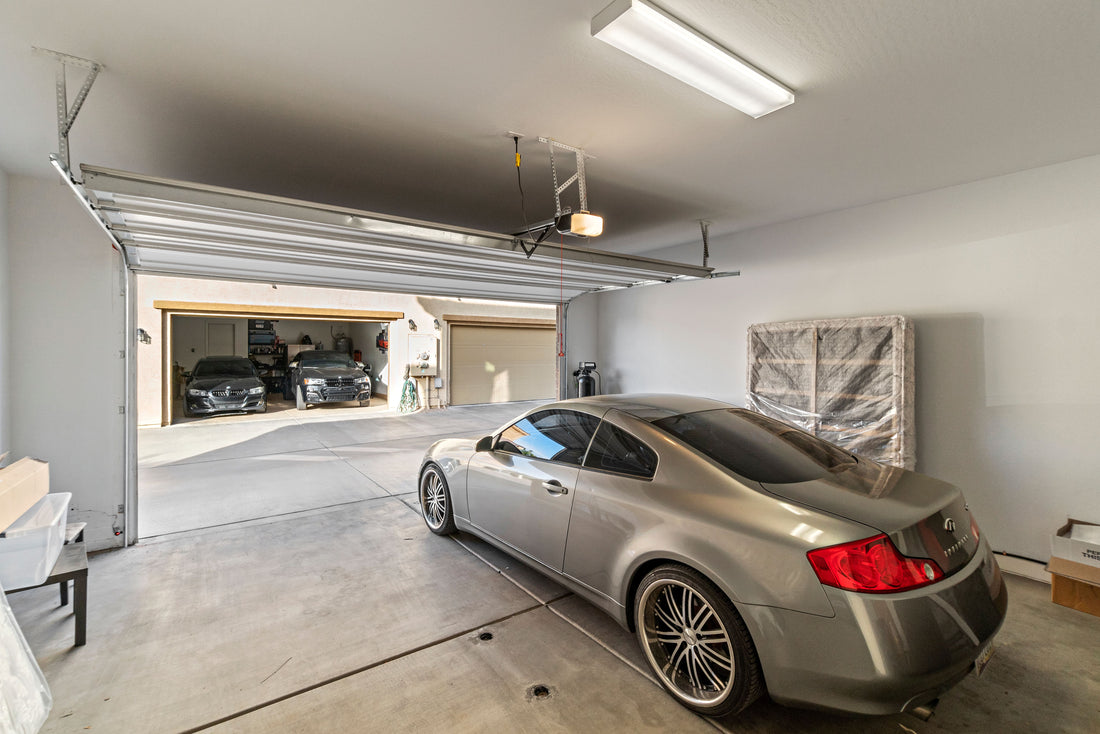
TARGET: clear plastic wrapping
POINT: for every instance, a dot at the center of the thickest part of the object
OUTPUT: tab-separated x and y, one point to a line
25	699
848	381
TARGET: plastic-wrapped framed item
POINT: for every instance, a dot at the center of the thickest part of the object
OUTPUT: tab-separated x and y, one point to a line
848	381
25	698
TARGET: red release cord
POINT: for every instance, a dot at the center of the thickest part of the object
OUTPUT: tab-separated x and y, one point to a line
561	295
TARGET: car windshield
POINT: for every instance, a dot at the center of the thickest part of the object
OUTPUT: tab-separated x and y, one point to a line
326	359
757	447
224	368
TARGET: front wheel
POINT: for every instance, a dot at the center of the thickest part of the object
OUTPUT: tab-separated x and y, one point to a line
435	501
696	642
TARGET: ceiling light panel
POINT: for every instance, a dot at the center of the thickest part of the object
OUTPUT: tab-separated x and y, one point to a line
651	35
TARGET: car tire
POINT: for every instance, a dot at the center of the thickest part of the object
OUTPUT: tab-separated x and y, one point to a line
435	501
299	400
287	394
695	642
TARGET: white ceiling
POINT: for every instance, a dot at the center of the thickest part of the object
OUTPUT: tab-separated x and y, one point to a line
401	107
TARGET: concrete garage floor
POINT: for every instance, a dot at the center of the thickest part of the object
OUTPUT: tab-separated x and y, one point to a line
349	616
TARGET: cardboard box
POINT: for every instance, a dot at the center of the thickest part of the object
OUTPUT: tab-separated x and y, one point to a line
1075	585
21	485
1079	550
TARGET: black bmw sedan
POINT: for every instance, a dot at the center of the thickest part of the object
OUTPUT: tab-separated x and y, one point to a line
224	384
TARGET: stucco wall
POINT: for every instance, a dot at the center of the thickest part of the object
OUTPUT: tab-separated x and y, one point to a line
1000	278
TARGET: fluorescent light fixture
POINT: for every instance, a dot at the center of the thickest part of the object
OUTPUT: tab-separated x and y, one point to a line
651	35
582	224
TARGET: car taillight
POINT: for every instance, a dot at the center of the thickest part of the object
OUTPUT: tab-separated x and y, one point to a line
974	527
872	565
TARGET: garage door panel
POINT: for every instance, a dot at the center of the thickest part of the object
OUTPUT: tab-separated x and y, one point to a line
497	364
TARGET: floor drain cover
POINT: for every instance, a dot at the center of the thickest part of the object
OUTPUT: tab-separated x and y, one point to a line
538	691
485	636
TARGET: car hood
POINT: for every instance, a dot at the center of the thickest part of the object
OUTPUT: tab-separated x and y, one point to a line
220	383
924	517
328	372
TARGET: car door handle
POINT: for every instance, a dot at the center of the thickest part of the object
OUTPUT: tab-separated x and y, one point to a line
554	487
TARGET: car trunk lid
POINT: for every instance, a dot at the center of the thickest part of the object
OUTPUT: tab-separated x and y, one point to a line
924	517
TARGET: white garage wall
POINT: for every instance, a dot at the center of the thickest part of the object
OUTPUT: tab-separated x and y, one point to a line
1000	277
5	306
364	337
66	377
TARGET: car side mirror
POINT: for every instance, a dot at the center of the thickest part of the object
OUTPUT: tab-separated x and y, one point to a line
484	444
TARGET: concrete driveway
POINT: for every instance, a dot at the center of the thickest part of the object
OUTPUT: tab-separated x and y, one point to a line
286	583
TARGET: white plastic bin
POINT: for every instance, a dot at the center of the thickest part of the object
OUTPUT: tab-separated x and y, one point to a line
32	543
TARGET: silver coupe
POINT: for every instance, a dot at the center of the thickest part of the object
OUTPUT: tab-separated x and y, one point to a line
746	555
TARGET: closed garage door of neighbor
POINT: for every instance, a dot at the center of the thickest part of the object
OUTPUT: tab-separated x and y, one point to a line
500	364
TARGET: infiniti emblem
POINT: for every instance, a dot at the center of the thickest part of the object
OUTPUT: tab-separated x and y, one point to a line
949	525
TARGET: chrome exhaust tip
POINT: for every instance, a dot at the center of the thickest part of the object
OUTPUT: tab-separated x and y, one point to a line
925	712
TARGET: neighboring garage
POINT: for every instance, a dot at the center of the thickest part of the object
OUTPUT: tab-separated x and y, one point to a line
502	362
476	199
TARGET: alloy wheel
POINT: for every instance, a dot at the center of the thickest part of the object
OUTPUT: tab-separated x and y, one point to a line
686	642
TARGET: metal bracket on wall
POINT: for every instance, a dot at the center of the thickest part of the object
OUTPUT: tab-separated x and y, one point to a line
66	114
582	187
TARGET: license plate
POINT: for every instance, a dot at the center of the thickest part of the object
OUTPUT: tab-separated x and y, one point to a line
983	659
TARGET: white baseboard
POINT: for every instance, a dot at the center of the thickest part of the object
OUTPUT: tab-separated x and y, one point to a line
1023	567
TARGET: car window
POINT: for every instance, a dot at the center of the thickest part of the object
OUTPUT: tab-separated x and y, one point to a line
326	359
224	368
615	450
554	435
757	447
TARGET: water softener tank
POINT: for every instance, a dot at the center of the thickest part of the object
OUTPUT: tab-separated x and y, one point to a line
342	344
586	383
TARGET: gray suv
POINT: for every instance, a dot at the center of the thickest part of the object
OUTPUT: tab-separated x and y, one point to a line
319	376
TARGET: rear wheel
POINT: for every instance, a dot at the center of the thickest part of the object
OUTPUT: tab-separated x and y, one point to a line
299	400
696	642
435	501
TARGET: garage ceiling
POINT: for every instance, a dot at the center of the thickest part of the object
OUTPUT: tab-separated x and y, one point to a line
178	228
401	107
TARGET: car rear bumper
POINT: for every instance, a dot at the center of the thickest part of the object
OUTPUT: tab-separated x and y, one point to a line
881	653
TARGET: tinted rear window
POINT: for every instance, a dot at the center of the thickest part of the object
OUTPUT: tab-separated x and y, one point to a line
757	447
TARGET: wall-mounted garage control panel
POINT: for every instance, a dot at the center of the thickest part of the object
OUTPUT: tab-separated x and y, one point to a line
423	355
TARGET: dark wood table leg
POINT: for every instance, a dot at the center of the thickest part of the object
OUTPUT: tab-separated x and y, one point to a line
64	588
80	606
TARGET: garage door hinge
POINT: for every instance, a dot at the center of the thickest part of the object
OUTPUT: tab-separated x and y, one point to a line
122	410
122	354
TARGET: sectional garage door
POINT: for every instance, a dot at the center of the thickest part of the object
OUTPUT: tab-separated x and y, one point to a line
499	364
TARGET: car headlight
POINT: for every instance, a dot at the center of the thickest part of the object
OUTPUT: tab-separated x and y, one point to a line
256	391
314	381
197	393
361	380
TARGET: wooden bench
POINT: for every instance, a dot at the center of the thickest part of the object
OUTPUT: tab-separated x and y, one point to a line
71	565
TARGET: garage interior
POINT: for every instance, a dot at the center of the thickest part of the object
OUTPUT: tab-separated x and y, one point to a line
391	161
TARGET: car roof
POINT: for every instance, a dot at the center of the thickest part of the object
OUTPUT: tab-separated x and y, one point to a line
223	358
646	406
